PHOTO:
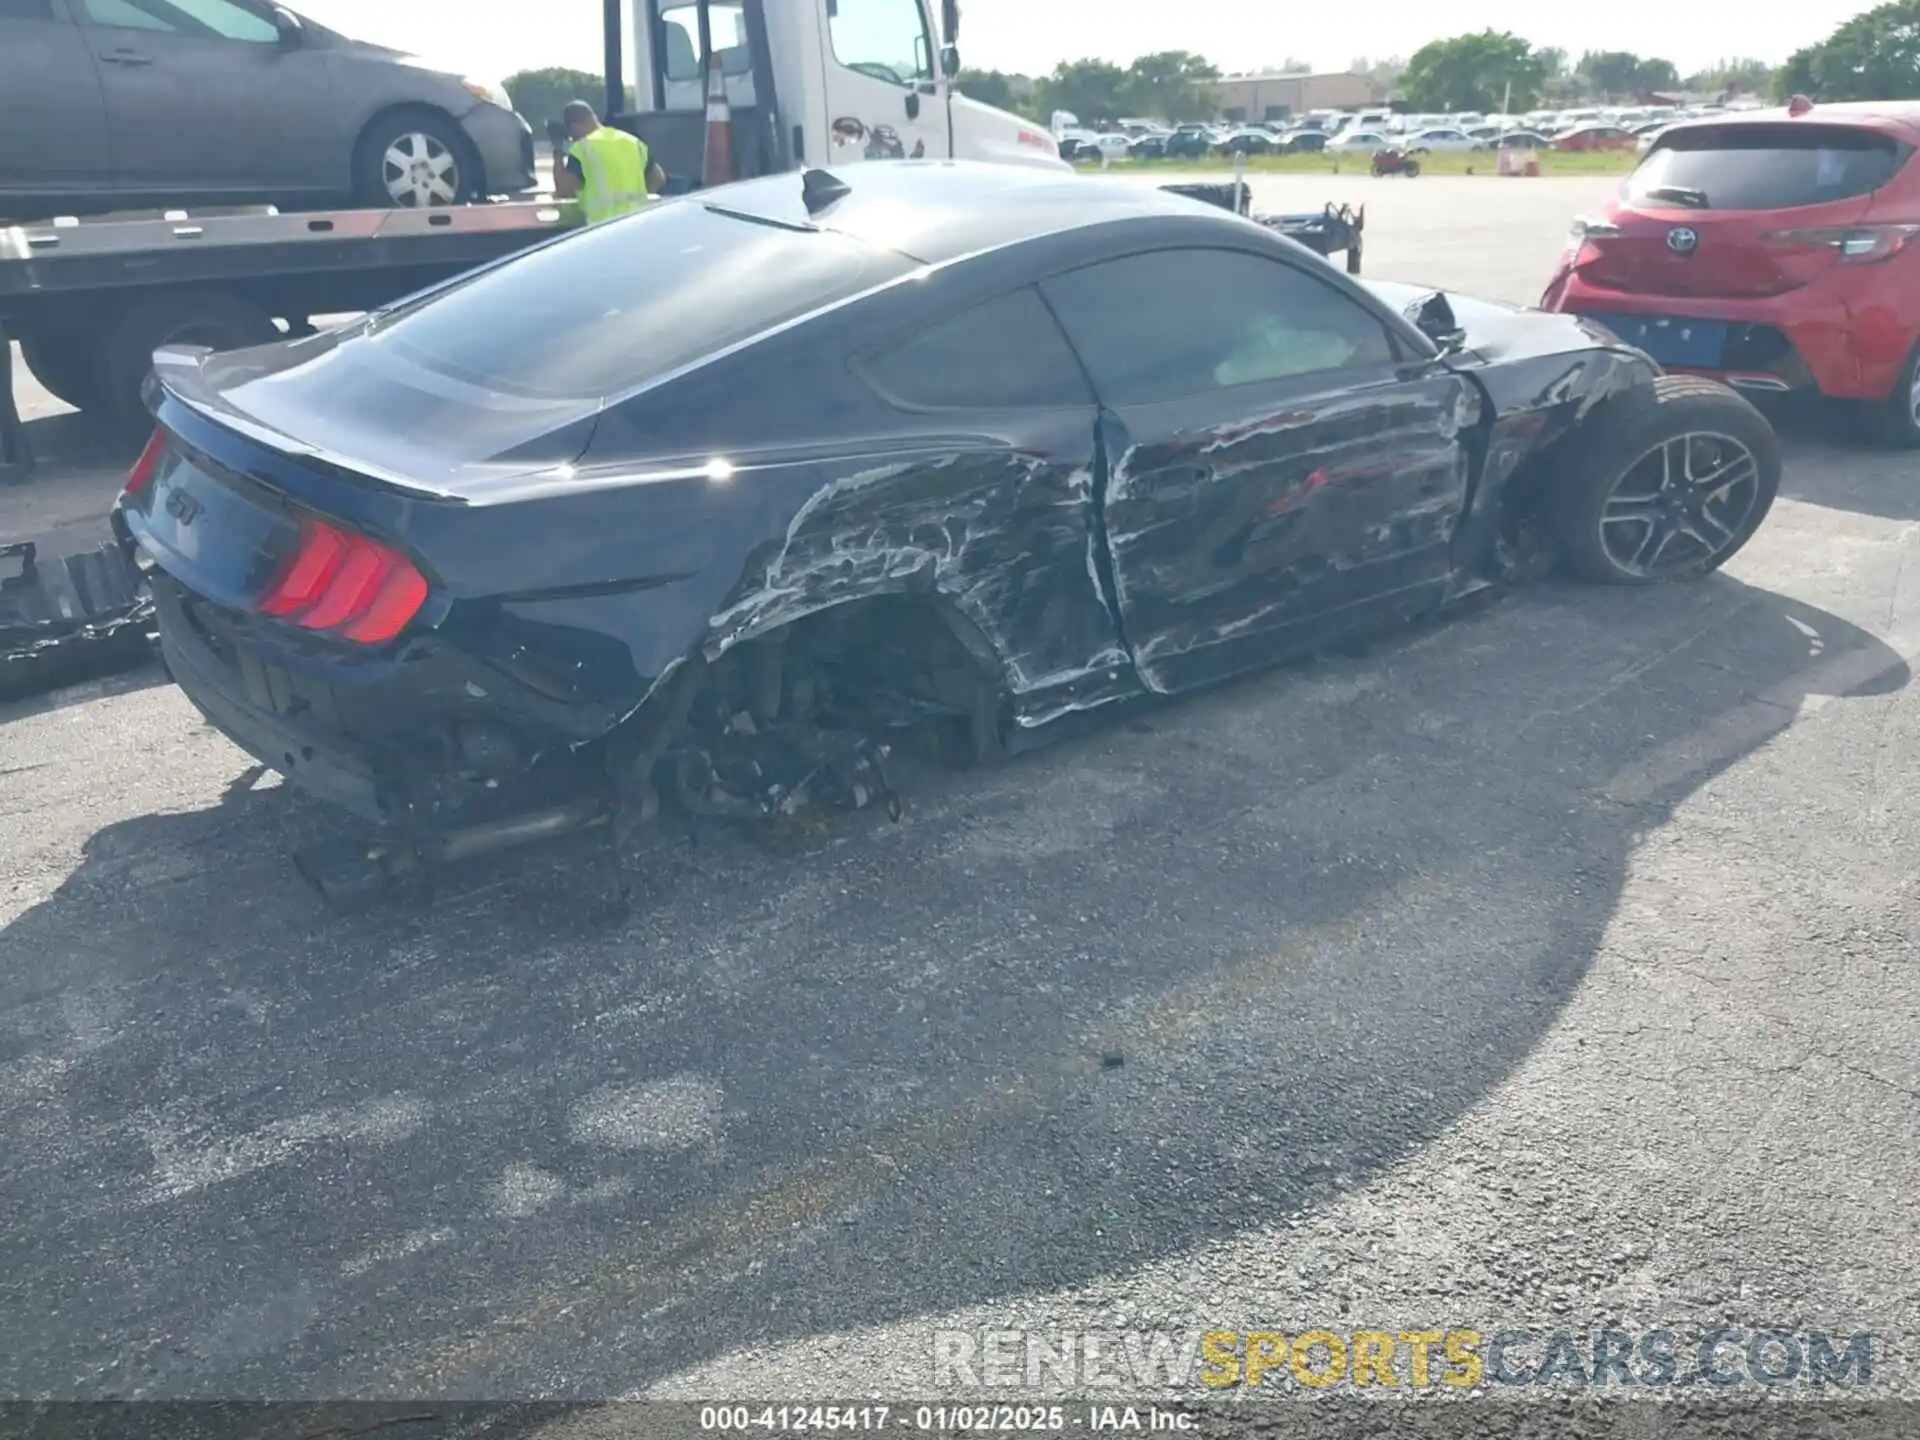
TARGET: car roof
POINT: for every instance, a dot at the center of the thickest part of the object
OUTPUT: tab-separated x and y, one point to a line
1900	118
939	210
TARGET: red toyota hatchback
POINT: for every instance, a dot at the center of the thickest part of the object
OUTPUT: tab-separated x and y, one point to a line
1777	250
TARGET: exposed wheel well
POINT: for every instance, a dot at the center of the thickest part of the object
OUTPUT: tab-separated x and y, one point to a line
884	662
809	711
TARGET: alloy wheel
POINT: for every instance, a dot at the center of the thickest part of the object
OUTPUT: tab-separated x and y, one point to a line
1681	505
418	170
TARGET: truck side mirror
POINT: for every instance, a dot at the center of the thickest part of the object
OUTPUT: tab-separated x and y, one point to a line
950	21
949	61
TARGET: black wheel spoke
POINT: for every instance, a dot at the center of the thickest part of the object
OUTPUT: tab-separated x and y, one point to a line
1705	520
1647	553
1723	477
1630	509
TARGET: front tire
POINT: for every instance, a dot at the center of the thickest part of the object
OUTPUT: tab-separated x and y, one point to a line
1667	482
414	159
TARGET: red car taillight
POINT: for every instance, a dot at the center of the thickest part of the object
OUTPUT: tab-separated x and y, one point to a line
346	584
141	475
1856	244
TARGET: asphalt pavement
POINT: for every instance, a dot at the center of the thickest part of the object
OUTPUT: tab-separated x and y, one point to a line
1551	968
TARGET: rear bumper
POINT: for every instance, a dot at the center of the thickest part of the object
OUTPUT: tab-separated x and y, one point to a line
1820	340
415	743
305	753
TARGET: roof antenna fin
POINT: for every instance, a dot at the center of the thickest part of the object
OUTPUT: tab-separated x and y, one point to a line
821	188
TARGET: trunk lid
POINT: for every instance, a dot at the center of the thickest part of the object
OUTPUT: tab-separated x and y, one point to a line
1738	211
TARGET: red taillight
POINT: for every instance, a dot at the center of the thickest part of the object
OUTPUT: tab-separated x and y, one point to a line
141	475
1855	244
346	584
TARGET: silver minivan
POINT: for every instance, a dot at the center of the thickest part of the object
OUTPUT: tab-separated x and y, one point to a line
108	104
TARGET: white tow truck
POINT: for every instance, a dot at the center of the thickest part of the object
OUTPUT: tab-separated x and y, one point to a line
811	83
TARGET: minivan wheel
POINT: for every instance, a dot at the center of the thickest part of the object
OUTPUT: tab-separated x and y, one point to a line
1900	411
414	160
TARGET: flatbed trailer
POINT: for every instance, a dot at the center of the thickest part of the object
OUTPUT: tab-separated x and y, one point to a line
90	300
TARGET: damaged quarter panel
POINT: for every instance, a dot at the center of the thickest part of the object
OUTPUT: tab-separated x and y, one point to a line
1284	468
937	444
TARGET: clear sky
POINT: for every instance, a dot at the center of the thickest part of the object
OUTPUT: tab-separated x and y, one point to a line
494	38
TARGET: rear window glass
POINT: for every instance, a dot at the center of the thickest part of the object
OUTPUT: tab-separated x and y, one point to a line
604	311
1765	167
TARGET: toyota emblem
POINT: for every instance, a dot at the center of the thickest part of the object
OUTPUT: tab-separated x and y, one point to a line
1682	241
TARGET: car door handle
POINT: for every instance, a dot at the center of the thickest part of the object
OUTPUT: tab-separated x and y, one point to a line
126	57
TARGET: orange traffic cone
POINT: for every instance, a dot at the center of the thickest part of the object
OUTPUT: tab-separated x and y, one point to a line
718	167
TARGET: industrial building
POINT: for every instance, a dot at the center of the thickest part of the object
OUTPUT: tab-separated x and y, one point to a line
1278	97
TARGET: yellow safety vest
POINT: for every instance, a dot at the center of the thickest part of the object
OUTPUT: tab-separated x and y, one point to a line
613	166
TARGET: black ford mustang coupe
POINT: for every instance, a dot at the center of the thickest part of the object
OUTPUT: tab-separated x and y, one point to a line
708	506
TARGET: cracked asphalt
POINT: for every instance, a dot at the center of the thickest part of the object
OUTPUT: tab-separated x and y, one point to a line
1553	969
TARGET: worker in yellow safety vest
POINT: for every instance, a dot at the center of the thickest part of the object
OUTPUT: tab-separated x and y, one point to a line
607	170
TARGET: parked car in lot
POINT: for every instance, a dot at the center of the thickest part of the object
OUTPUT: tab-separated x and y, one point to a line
1524	140
1363	141
563	560
1148	147
1190	142
108	104
1304	142
1248	141
1113	145
1441	141
1595	137
1778	250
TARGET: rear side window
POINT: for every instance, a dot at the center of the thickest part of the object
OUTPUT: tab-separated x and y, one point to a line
613	307
1173	323
1765	167
1007	354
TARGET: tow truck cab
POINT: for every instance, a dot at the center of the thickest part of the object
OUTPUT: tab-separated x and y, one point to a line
809	82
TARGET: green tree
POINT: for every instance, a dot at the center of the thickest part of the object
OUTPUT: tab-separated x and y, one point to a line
1618	74
1092	89
1473	72
998	88
1170	85
1874	56
1607	73
1739	76
540	95
1658	74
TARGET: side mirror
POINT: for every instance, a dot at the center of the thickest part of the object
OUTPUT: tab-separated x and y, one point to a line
950	21
288	24
1433	317
949	61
